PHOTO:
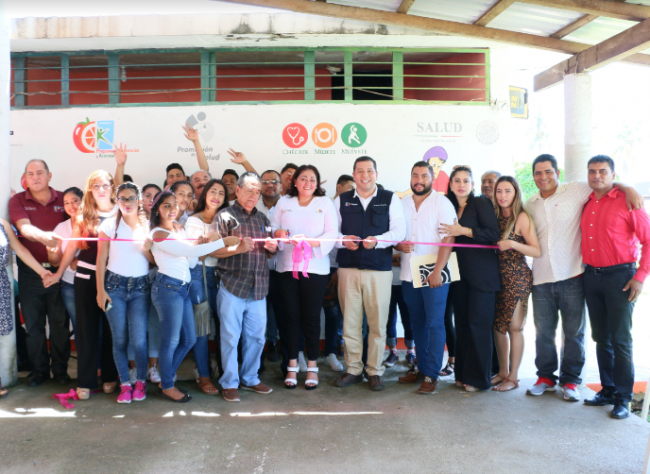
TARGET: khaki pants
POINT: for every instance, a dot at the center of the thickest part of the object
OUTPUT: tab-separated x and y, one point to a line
369	289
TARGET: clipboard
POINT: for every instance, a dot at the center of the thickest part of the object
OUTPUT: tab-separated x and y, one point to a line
422	266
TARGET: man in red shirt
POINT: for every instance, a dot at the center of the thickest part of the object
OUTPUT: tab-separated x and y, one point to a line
612	282
35	213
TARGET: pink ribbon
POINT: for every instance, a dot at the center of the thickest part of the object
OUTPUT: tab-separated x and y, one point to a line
301	253
72	394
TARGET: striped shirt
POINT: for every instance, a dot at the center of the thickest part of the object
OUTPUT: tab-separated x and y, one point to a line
247	271
557	219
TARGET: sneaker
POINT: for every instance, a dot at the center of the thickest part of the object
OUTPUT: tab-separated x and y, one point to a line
133	375
392	358
140	392
153	375
410	358
542	385
302	363
571	393
126	394
334	363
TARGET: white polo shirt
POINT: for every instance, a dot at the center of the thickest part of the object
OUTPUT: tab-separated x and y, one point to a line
422	226
557	220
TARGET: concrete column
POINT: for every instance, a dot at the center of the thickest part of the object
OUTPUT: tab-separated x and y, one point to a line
577	126
8	369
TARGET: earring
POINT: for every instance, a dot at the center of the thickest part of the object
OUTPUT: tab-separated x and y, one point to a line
156	214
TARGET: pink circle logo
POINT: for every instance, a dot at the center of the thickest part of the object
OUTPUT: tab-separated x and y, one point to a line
295	135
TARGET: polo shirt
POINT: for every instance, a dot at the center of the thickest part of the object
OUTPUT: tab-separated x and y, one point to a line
557	220
44	217
611	233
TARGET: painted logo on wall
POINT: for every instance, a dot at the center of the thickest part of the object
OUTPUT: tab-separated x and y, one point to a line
295	135
354	135
324	135
90	137
201	125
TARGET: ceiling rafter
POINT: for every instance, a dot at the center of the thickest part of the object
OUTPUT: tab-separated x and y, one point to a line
611	9
493	12
405	6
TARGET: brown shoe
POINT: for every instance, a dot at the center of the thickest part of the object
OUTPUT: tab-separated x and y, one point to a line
428	386
413	376
259	388
348	379
109	387
230	394
376	385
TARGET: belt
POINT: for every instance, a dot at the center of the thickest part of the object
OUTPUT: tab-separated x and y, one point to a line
47	265
610	269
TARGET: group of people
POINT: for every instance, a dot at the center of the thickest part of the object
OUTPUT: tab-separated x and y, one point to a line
143	273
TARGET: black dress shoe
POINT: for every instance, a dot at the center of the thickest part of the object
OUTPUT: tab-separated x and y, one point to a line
602	398
37	379
621	410
348	379
376	384
62	379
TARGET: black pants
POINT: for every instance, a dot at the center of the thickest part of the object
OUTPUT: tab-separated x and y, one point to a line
474	314
40	304
303	300
279	310
610	314
21	339
89	318
450	329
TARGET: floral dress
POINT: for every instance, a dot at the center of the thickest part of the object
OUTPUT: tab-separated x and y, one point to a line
6	316
516	282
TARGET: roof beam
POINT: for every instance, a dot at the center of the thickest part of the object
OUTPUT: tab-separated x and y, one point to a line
493	12
405	6
620	10
571	27
430	24
616	48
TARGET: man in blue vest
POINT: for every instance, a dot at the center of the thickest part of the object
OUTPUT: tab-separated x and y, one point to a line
369	220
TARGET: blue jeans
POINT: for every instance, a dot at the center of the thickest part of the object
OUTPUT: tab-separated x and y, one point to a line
197	295
567	298
67	293
153	335
245	318
427	308
171	297
128	316
610	314
397	299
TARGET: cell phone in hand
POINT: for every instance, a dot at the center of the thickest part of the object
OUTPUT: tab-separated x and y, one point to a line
108	306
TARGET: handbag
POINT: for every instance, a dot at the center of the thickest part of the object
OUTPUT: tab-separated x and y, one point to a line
202	312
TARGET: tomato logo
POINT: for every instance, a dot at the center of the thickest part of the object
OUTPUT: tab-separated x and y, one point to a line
91	136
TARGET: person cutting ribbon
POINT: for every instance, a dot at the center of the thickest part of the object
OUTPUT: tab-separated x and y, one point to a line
303	264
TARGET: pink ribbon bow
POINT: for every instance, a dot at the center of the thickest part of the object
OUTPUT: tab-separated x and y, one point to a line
301	253
64	397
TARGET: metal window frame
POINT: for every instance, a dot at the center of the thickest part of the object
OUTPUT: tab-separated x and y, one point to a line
208	76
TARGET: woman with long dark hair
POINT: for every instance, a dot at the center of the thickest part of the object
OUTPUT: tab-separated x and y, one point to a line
303	215
175	255
213	198
148	193
97	205
474	295
123	287
71	199
518	240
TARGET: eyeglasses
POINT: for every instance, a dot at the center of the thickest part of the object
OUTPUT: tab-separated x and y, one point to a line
271	181
105	187
127	200
462	166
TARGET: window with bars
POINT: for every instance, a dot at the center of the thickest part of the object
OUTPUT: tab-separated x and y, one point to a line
283	75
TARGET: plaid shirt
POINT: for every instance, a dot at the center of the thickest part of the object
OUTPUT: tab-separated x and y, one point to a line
245	271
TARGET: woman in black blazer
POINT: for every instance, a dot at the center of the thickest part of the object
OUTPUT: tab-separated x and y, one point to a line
474	295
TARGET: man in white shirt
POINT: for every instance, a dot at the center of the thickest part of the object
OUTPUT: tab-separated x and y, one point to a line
366	216
424	210
557	276
275	314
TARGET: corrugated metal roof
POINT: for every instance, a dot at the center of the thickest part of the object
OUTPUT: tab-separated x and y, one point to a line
534	20
461	11
599	30
384	5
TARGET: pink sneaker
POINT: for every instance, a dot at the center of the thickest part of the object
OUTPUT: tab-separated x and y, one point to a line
140	392
125	394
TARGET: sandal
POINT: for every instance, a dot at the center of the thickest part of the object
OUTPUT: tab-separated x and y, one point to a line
448	370
290	382
83	393
459	384
499	380
207	387
311	384
515	384
110	387
3	391
186	398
